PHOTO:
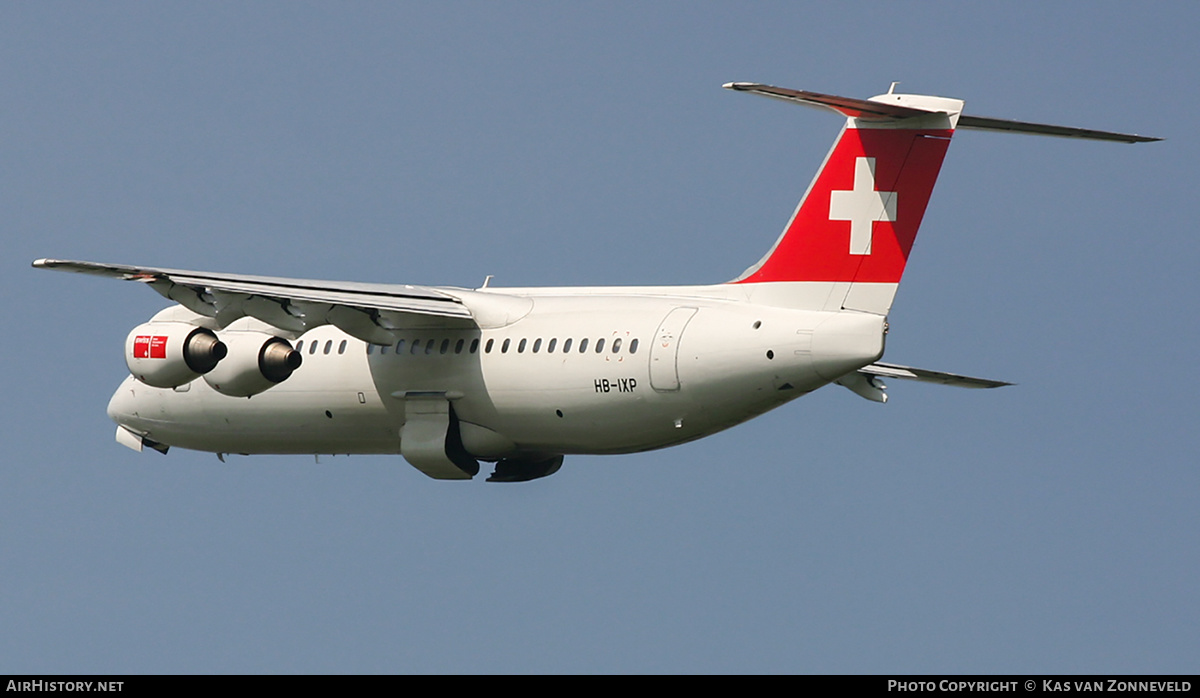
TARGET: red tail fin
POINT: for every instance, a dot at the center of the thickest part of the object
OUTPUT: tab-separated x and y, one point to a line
857	222
861	214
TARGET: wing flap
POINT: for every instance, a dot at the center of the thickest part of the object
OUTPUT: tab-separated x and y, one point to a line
441	305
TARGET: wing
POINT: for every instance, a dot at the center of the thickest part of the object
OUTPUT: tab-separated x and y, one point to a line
366	311
927	376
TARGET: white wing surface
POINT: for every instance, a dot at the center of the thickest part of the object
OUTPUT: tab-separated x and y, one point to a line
366	311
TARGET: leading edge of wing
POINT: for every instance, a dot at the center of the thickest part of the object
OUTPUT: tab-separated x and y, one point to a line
316	290
289	304
927	376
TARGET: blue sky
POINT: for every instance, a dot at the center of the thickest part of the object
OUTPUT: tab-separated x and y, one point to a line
1047	527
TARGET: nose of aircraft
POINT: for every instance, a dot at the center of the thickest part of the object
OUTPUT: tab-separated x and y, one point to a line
122	406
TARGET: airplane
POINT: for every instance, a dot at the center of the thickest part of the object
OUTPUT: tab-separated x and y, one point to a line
520	377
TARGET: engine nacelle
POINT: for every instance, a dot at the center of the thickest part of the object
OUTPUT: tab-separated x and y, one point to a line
256	361
169	354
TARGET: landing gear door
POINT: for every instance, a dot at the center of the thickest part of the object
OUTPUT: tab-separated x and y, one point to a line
430	438
664	352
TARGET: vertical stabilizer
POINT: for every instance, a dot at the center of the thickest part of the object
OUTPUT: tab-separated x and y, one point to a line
848	241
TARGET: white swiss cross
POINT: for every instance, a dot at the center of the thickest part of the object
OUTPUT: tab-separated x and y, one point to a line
862	206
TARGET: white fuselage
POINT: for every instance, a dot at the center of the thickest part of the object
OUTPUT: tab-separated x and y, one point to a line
571	371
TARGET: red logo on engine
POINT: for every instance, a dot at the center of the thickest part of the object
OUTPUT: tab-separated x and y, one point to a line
149	347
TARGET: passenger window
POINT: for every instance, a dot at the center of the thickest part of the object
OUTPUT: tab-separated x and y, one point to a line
633	346
521	346
300	346
399	346
429	346
599	345
312	348
415	345
445	346
537	344
342	347
583	345
328	346
474	345
458	347
504	347
487	349
550	346
370	349
566	345
616	345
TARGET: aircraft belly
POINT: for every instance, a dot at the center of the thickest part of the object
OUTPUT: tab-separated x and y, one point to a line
272	422
576	422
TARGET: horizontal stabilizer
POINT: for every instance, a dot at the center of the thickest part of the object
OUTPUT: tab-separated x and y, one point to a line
983	123
926	376
847	106
876	109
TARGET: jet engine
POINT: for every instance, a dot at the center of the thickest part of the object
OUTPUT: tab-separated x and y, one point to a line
256	361
169	354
